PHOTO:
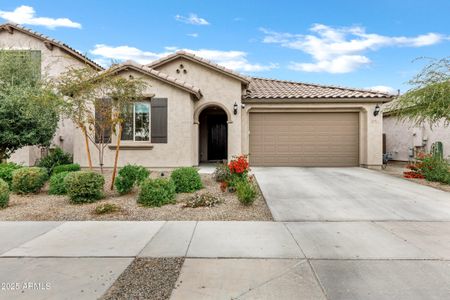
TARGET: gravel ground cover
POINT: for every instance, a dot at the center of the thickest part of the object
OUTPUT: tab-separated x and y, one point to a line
146	278
397	169
44	207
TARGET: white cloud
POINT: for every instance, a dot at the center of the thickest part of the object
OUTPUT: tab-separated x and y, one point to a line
26	15
194	35
192	19
383	89
342	49
109	53
235	60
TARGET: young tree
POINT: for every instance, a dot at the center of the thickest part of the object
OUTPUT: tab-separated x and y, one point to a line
124	92
29	109
79	89
428	101
95	102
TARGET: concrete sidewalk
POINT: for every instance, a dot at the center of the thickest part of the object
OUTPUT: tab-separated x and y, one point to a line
244	260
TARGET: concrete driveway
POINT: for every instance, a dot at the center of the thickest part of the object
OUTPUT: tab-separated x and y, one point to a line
348	194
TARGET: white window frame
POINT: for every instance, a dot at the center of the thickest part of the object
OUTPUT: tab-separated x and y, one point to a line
134	123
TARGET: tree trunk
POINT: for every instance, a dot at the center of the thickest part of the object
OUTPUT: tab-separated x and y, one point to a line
88	151
119	137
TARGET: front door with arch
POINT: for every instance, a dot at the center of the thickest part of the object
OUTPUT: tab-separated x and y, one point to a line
213	134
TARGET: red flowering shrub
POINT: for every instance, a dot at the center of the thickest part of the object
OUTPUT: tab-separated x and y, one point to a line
239	165
413	174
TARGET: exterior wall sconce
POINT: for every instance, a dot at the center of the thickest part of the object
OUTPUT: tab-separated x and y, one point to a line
235	108
376	110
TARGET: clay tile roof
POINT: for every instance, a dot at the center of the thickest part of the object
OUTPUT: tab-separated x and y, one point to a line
129	64
10	27
262	88
203	61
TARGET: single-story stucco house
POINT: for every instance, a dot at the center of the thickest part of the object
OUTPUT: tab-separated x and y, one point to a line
201	112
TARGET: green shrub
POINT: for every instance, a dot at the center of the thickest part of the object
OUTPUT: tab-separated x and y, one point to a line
66	168
246	192
84	186
435	169
56	157
4	194
28	180
129	176
222	173
57	185
6	170
202	200
157	192
106	208
186	180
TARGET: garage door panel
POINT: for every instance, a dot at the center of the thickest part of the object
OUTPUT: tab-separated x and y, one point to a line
304	139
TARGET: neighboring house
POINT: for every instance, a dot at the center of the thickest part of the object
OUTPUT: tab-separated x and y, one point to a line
55	57
199	111
404	139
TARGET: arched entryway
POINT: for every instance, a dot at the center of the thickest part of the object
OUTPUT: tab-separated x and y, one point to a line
213	134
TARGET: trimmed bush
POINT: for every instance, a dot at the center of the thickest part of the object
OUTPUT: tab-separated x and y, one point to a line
4	194
28	180
246	192
436	169
84	186
55	158
186	180
157	192
66	168
129	176
6	171
57	185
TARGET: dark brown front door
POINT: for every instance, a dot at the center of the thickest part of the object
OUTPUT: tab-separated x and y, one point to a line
217	138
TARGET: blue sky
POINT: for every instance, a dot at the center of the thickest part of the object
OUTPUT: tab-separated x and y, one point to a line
350	43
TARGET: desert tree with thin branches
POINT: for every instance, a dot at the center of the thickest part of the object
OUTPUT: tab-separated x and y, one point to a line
428	101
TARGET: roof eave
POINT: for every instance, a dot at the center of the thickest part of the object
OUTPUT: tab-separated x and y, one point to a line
175	56
317	100
117	69
11	27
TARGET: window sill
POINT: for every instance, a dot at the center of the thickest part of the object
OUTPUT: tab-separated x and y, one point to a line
132	146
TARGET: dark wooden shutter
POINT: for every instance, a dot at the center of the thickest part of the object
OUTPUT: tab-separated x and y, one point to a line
158	116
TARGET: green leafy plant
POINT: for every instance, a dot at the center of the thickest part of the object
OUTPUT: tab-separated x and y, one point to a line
66	168
28	180
129	176
106	208
221	173
246	192
186	179
436	169
57	185
4	194
84	186
202	200
56	157
29	108
157	192
6	170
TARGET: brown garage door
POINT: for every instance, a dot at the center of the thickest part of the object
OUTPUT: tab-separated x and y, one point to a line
304	139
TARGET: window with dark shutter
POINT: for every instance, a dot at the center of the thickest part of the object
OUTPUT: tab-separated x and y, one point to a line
158	119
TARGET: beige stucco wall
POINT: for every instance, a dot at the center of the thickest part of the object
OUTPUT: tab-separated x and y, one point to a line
217	89
402	135
175	153
54	62
370	139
